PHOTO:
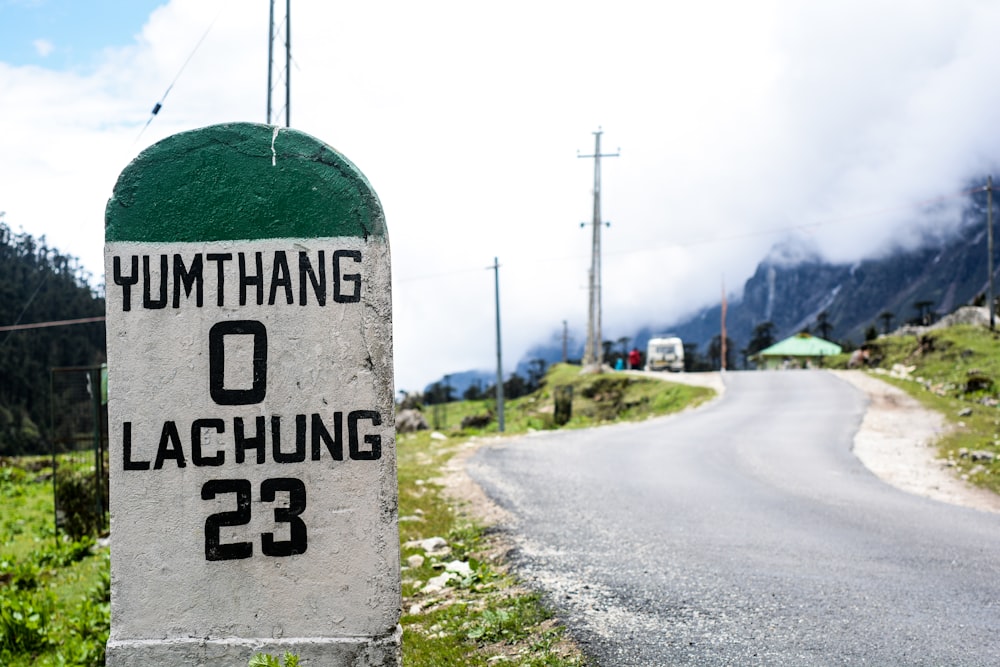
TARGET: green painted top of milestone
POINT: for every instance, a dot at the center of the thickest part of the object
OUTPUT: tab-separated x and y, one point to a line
241	181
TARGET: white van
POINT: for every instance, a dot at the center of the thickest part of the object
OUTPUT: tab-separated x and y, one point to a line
665	353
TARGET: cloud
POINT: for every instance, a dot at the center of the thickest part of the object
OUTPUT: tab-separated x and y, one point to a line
43	47
739	124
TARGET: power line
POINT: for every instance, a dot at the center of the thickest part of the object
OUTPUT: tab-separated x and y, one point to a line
159	105
56	323
851	217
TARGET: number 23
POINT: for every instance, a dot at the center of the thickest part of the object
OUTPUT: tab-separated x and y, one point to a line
269	488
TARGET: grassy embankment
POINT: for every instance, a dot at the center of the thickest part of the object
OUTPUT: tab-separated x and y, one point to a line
955	371
54	594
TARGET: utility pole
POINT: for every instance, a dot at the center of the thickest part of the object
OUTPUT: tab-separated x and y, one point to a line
593	354
722	342
496	283
565	341
288	63
989	245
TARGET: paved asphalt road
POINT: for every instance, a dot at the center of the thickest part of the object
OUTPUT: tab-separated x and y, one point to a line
746	533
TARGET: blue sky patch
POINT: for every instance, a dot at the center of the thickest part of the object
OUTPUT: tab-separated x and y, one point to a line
68	34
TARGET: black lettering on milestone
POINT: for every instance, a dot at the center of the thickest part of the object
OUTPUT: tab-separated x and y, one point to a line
220	258
335	444
299	454
354	278
373	440
169	447
217	362
243	443
190	278
126	282
318	284
196	428
280	277
251	279
147	298
127	462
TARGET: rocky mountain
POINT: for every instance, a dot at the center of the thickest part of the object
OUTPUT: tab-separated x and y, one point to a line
793	285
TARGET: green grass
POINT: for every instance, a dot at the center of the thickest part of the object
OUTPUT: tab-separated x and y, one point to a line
955	371
54	593
487	617
597	399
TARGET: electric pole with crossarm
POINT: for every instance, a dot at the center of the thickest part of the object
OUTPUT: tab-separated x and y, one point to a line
593	354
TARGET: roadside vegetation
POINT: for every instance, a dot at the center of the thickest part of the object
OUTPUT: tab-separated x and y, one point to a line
461	606
956	371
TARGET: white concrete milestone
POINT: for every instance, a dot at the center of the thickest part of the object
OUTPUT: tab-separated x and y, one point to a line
253	475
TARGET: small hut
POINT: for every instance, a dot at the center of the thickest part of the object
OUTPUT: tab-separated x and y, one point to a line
799	351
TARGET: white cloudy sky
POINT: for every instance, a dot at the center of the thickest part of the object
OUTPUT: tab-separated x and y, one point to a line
738	123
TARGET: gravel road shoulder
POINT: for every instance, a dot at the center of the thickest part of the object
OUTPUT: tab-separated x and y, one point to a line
896	442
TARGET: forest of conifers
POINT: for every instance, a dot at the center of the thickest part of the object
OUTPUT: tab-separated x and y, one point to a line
39	284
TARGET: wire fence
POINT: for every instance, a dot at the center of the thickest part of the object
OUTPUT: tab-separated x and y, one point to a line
79	428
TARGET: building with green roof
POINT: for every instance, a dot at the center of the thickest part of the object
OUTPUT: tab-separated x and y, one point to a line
802	350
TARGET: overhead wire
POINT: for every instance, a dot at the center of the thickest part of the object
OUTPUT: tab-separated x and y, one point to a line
920	204
159	105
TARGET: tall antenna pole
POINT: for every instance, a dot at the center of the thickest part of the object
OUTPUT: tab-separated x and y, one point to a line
270	61
288	63
593	354
496	283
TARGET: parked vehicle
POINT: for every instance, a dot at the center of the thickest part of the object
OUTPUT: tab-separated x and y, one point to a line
665	353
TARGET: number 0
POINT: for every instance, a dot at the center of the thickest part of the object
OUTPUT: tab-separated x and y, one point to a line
217	362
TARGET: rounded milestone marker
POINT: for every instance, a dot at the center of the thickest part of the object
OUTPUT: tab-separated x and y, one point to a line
250	405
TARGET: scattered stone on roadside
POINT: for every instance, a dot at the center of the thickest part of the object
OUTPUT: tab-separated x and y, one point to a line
415	609
437	435
410	518
963	453
432	546
459	567
901	371
415	561
410	421
438	583
965	412
982	455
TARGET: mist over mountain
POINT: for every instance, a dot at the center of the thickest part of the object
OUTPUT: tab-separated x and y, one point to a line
932	275
793	285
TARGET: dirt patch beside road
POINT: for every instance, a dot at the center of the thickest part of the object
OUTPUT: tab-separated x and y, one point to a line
896	441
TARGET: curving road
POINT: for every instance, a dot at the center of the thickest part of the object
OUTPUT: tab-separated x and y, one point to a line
746	533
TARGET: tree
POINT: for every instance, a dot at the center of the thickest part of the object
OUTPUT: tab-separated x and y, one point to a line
886	317
515	387
925	315
762	338
474	392
40	284
536	373
823	325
